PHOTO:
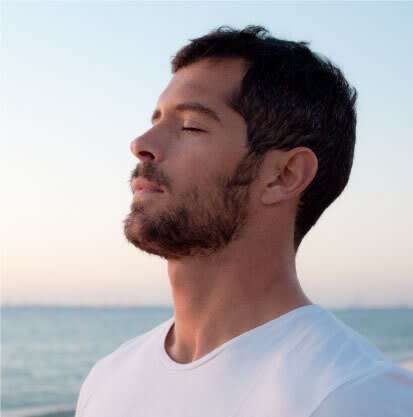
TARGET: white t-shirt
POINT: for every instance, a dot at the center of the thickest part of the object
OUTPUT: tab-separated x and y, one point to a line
305	363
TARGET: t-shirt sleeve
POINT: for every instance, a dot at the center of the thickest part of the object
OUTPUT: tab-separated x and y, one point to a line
386	393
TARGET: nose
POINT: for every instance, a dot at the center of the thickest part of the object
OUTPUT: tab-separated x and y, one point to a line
150	146
140	151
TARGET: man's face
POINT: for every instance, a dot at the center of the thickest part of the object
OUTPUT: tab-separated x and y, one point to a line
198	161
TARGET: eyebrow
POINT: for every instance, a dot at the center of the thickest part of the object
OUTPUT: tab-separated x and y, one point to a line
190	106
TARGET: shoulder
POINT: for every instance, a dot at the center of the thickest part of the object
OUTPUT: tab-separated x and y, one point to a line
325	353
125	351
385	391
109	365
330	366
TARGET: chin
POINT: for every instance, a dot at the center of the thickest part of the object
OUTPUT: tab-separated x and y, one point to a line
136	234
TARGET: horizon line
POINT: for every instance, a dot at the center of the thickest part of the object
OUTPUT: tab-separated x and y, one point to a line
171	306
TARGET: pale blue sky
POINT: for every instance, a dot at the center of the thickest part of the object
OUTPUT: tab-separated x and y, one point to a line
79	82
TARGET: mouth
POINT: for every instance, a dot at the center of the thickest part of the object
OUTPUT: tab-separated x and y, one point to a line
143	186
145	193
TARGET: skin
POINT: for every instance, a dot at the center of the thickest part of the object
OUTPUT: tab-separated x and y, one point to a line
220	293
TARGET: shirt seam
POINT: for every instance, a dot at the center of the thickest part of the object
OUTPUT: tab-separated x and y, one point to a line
175	367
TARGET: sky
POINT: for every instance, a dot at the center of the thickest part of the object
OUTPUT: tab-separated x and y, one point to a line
79	82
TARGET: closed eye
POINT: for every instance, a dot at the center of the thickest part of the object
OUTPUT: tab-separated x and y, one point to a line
193	129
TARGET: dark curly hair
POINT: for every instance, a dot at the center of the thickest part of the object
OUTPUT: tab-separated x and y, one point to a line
289	97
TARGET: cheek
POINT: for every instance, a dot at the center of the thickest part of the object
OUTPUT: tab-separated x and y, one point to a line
204	170
196	162
199	161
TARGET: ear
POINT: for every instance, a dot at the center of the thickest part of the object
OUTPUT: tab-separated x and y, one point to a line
286	174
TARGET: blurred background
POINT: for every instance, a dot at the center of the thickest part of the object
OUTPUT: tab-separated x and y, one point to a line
79	81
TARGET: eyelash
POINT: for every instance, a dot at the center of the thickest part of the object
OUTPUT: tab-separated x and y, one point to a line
193	129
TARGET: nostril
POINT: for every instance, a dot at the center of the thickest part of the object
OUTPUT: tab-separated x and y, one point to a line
143	150
145	155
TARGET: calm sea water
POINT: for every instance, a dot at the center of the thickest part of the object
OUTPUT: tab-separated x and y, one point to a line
48	351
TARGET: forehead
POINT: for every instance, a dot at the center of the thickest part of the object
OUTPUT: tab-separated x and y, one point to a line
210	82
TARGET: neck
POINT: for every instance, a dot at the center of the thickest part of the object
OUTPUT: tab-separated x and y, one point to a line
219	297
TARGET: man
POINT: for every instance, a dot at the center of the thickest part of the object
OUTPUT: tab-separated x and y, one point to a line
252	140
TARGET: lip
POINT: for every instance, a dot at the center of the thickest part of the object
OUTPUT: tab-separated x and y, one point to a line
141	185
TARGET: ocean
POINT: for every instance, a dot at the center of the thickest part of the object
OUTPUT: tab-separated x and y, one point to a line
47	351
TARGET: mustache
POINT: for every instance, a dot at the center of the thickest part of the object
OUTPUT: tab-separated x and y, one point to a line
148	171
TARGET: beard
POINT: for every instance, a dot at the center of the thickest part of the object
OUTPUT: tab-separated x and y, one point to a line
199	223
